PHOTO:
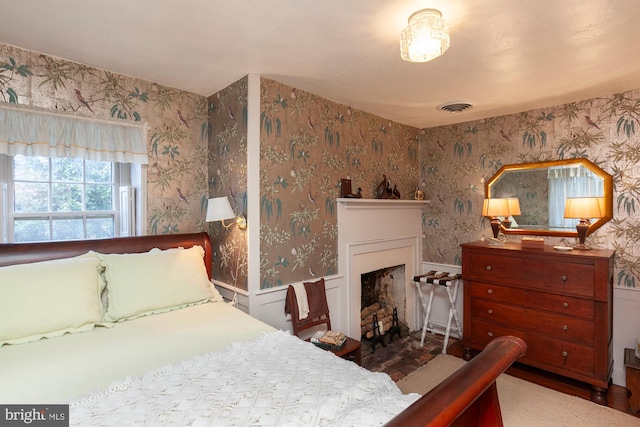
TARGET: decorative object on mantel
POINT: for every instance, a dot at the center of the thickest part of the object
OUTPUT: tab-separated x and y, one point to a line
584	209
419	194
381	191
396	193
345	190
385	191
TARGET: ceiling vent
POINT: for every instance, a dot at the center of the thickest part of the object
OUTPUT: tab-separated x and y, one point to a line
454	107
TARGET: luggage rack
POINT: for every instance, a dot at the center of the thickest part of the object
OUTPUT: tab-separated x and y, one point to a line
450	282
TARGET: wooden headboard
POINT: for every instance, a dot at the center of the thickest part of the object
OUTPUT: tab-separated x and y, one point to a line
22	253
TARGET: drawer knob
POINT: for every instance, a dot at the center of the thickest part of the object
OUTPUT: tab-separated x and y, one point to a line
490	311
565	327
565	354
564	278
565	304
490	334
488	267
490	291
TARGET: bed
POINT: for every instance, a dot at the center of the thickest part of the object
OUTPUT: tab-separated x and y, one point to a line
129	331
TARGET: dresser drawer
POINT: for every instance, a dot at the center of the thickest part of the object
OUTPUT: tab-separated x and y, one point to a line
562	277
495	292
544	322
541	350
561	354
483	332
511	315
561	304
557	303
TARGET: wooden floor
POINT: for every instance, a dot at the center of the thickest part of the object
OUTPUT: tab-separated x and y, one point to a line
617	396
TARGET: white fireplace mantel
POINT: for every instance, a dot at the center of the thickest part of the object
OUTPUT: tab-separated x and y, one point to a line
361	220
375	234
355	203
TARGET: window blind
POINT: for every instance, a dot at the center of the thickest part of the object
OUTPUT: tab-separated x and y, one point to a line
30	132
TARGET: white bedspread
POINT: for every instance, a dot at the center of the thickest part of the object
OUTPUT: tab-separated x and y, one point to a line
58	369
273	380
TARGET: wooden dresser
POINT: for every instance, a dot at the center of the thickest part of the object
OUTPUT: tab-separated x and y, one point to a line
559	303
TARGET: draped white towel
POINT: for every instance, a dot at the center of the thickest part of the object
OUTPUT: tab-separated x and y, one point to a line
303	301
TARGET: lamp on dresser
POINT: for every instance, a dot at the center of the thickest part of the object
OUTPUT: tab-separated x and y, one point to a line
514	209
495	208
584	209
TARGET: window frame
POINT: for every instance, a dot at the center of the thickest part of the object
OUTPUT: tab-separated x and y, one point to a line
124	175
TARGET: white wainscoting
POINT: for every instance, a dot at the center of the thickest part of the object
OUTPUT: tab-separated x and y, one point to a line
626	327
270	304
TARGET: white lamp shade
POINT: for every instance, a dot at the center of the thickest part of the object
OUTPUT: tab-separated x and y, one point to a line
514	206
495	207
219	209
583	207
601	203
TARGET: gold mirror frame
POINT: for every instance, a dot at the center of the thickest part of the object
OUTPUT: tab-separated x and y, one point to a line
608	195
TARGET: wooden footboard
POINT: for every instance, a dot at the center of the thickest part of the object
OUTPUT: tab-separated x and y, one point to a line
22	253
469	396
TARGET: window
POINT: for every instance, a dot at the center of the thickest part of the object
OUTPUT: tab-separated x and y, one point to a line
65	177
567	182
65	199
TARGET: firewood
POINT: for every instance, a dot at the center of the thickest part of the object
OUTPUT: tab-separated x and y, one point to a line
385	321
382	312
368	310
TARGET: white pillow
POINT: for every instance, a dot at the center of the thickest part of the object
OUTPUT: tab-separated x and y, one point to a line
154	282
49	298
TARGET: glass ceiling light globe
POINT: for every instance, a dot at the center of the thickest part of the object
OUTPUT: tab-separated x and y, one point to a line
425	38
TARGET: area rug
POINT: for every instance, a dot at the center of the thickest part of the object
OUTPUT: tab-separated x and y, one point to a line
523	404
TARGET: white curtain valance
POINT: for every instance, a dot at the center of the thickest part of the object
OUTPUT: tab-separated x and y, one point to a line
40	133
564	172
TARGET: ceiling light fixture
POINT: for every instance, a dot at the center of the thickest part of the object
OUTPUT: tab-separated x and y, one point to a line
425	38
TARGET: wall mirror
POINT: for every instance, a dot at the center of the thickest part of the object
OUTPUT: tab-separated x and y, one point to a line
542	189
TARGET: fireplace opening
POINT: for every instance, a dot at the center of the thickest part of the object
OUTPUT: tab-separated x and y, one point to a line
382	305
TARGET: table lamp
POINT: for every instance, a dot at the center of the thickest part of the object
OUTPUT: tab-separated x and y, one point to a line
584	209
494	208
514	209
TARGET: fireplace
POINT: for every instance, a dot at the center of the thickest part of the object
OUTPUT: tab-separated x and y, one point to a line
380	286
373	235
382	303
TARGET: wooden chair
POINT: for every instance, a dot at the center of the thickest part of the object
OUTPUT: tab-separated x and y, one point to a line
318	316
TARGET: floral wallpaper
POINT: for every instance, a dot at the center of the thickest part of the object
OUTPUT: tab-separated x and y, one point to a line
456	160
177	135
228	177
307	144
